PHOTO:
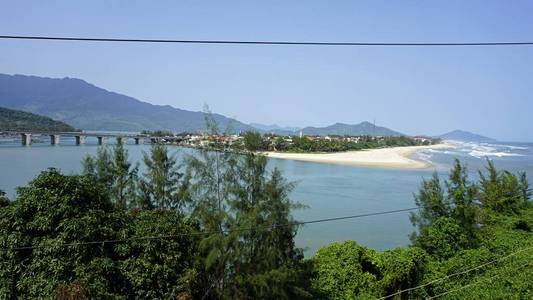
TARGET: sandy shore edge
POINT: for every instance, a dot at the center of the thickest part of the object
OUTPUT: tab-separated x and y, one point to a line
394	157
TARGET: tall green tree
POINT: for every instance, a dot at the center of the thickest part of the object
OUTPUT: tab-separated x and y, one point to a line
503	191
462	194
253	141
248	251
112	169
161	185
455	202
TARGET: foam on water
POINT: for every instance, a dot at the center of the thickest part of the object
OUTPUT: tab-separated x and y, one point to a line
482	150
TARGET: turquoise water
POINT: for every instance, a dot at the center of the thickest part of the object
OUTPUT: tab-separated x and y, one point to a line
327	190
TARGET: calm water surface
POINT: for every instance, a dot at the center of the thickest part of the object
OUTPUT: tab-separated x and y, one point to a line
327	190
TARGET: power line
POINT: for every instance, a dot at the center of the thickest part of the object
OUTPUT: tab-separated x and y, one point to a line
296	223
458	273
240	42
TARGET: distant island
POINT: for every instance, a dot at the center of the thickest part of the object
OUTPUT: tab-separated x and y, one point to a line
465	136
16	120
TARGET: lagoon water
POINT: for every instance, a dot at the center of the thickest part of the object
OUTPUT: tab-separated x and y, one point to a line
327	190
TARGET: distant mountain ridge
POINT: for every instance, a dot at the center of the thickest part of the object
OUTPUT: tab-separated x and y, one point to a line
16	120
363	128
273	127
89	107
465	136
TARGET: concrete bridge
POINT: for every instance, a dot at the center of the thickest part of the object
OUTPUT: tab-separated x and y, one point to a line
55	137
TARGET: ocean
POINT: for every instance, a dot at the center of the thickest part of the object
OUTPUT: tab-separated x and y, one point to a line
327	190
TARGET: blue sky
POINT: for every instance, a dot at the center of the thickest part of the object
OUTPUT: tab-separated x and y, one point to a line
414	90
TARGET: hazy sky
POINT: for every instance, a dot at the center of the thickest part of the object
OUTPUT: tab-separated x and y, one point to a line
431	90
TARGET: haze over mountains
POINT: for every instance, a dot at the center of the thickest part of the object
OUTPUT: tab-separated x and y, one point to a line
88	107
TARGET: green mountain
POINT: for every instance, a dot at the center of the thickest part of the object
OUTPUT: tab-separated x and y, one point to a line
88	107
16	120
363	128
465	136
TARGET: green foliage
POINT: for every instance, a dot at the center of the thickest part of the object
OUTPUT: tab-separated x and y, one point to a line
351	271
337	144
158	268
16	120
447	219
55	209
158	133
458	229
115	173
253	141
248	251
503	191
161	185
4	201
346	271
55	212
443	238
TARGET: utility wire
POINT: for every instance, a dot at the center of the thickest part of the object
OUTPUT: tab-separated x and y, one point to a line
233	42
295	223
458	273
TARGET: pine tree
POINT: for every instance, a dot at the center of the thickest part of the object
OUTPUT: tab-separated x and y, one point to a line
113	171
161	183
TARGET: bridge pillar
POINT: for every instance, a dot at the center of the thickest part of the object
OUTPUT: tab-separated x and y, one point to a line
139	141
26	139
101	140
120	139
80	139
54	139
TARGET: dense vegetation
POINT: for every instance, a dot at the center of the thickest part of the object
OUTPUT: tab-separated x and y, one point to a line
160	133
16	120
219	226
254	141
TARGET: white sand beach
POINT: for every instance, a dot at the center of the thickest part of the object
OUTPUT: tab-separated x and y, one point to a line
394	157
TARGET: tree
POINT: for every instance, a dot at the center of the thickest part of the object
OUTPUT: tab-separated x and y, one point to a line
456	203
4	201
100	167
432	205
60	220
503	191
461	193
158	268
161	185
248	250
53	210
253	141
351	271
112	169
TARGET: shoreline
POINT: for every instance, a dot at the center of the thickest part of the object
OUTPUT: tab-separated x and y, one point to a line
393	157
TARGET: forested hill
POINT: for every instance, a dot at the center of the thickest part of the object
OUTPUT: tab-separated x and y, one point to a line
89	107
363	128
19	120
